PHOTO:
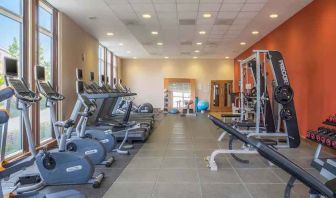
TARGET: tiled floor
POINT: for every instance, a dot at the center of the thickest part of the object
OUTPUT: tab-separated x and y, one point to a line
171	164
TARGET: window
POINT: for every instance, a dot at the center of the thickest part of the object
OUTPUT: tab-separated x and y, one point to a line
45	59
108	67
101	64
181	93
114	72
11	36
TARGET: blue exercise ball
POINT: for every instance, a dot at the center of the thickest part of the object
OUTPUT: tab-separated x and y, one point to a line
203	105
173	111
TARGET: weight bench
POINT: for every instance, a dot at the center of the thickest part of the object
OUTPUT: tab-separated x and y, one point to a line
296	172
225	116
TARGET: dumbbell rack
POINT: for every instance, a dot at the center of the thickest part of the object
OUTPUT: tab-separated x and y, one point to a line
325	165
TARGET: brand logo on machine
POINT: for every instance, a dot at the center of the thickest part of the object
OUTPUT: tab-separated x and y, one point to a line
74	168
283	72
89	152
104	141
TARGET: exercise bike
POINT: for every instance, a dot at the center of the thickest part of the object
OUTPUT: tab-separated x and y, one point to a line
55	168
52	97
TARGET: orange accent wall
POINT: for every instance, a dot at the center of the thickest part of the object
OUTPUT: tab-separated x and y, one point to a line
307	42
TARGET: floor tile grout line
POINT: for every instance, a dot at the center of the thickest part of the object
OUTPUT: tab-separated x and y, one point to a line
241	180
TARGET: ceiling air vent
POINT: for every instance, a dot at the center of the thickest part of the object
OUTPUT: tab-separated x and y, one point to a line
187	21
224	21
130	22
185	43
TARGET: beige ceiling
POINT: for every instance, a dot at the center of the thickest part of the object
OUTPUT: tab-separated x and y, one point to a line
178	23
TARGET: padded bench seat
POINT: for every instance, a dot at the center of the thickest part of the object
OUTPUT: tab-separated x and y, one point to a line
230	115
245	124
268	142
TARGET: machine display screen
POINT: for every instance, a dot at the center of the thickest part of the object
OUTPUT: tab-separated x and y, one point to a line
91	76
11	66
79	74
80	87
40	73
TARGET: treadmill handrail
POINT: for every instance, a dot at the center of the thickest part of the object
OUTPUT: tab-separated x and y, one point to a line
278	159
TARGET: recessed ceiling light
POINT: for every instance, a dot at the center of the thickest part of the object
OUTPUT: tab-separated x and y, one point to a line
121	44
199	43
159	43
242	43
202	32
146	16
128	52
226	57
207	15
273	16
196	51
166	57
195	57
134	57
255	32
155	33
109	34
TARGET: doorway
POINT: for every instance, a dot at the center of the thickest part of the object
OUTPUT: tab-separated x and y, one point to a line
220	99
180	91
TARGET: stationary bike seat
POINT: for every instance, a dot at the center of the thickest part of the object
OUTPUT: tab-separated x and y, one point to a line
65	123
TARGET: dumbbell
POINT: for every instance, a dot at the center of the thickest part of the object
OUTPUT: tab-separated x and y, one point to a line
332	119
311	134
321	132
329	140
324	137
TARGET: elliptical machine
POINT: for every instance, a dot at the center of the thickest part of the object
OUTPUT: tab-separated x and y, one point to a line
52	97
55	168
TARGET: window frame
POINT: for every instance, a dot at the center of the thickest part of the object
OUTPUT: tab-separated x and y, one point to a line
54	58
21	19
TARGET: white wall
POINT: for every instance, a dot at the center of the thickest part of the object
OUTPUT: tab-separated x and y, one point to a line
145	76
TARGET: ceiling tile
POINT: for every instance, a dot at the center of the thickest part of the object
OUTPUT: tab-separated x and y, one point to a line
165	8
187	7
220	27
202	21
253	6
187	1
139	1
247	15
231	7
241	21
122	7
167	15
163	1
187	15
256	1
114	2
209	7
206	28
234	1
143	8
211	1
218	31
227	15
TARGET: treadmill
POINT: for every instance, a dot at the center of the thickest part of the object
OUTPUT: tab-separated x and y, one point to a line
107	107
136	133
